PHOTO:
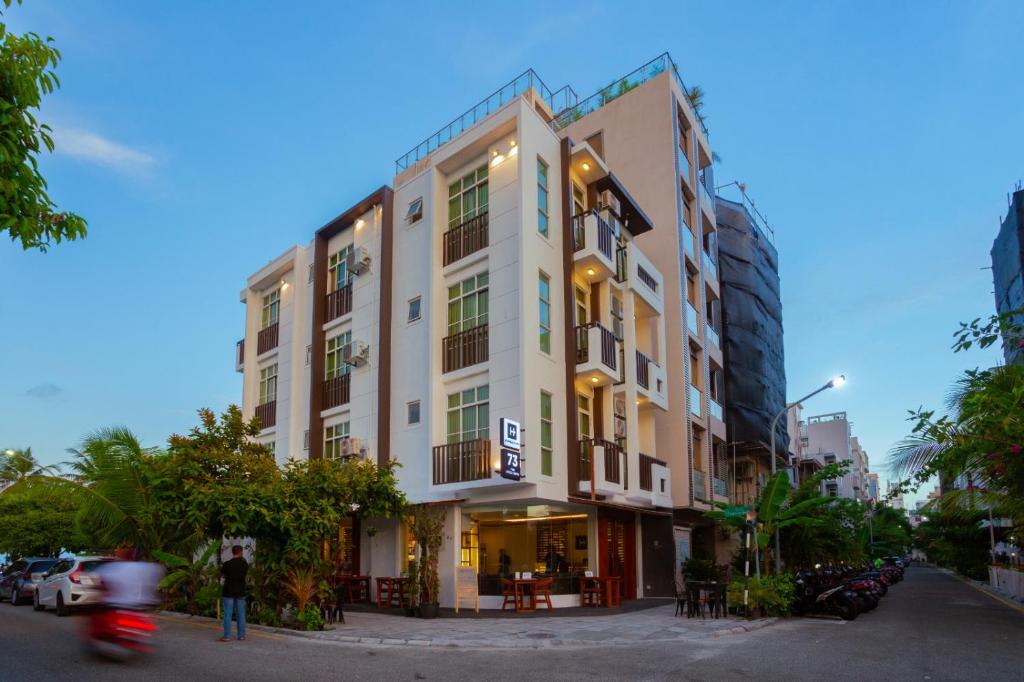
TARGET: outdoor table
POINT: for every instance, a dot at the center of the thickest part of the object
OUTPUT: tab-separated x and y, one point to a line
388	589
523	586
696	589
356	587
612	588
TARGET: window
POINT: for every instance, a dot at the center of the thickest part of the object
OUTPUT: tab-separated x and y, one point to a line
617	327
309	355
414	309
581	306
830	459
271	308
333	435
268	384
544	287
584	410
578	204
337	269
469	414
467	198
542	197
546	437
832	490
310	280
467	304
413	412
415	211
336	365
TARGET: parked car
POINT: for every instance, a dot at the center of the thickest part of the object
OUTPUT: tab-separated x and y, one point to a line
18	583
70	582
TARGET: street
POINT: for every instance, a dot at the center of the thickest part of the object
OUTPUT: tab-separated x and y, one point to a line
930	627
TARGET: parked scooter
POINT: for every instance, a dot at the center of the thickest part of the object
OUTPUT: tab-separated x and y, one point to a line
815	593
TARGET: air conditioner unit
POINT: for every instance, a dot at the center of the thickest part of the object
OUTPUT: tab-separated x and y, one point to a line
351	447
358	260
355	353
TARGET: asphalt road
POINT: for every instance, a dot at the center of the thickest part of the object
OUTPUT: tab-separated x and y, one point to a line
930	627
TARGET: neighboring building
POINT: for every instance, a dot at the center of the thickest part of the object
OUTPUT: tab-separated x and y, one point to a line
524	268
646	130
829	440
751	322
859	469
895	500
1008	266
872	492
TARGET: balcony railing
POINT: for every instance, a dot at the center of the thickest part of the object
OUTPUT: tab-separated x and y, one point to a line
647	278
709	265
714	409
695	397
613	467
465	349
684	163
266	340
608	354
699	489
461	462
646	475
712	336
467	238
337	391
338	303
721	487
267	414
605	233
643	370
691	320
705	197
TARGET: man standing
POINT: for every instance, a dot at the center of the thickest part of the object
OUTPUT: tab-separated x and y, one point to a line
233	594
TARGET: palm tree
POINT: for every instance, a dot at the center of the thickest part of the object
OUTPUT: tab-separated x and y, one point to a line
19	465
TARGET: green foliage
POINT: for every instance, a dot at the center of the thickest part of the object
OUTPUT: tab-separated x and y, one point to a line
206	599
428	529
769	595
700	569
188	576
38	521
956	542
27	212
310	618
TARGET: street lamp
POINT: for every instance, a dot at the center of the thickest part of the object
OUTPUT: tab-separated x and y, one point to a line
834	382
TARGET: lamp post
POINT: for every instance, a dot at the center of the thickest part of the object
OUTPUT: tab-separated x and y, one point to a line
835	382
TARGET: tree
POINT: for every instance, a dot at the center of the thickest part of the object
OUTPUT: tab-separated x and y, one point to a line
27	212
38	521
187	575
18	465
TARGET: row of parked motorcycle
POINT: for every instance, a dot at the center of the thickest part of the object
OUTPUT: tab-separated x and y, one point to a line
846	591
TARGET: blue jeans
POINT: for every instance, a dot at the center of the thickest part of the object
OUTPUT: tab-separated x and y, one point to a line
234	604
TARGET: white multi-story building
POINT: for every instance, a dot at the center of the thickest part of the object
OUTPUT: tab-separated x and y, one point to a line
827	438
516	274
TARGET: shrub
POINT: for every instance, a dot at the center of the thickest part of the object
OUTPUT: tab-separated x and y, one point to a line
206	599
310	618
769	595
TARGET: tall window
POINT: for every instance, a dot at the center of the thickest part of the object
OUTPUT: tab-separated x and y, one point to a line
271	308
542	197
578	202
467	198
336	365
544	287
546	437
467	304
333	435
268	384
581	306
337	269
617	327
469	414
586	428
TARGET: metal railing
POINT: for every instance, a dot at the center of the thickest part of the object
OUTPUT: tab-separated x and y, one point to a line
338	303
267	414
647	278
266	340
684	164
337	390
558	101
695	399
705	196
643	370
613	465
699	485
720	487
689	240
464	349
691	320
460	462
466	238
608	354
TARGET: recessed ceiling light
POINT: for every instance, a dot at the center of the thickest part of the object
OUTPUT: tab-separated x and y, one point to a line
585	165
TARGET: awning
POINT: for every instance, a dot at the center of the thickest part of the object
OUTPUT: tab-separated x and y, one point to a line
633	217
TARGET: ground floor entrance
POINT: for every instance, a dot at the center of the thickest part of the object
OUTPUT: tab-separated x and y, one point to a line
616	538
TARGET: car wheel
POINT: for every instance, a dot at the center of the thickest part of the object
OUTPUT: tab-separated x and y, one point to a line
62	609
15	597
36	605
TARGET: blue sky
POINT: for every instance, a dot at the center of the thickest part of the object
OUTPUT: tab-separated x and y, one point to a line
202	139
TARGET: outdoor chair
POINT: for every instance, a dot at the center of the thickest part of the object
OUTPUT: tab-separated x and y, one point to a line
508	591
543	588
590	592
681	600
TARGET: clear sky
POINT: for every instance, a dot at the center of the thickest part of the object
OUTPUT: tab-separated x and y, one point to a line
202	139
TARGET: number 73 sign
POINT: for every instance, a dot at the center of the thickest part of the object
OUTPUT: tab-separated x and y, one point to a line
511	464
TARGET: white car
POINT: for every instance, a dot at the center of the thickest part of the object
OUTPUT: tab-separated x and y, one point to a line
71	582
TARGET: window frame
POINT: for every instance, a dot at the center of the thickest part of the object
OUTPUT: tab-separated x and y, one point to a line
267	387
543	192
333	436
337	268
418	301
544	305
581	399
579	200
408	413
415	211
548	434
479	293
581	303
618	317
477	406
480	186
335	346
270	314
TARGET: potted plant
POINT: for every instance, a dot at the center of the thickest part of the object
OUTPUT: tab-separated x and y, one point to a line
412	590
428	529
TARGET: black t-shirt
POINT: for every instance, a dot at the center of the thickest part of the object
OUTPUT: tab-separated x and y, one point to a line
234	571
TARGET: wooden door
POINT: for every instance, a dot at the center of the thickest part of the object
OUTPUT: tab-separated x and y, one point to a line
617	550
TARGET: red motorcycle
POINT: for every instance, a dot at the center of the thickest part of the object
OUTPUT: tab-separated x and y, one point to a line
118	634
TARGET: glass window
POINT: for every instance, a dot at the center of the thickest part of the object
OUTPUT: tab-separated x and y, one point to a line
584	409
542	197
336	365
544	287
467	198
581	306
578	203
469	415
415	211
271	308
546	438
268	384
467	304
413	412
414	309
337	269
333	436
617	327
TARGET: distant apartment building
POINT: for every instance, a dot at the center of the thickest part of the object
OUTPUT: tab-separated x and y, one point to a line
872	487
1008	266
829	440
533	267
750	314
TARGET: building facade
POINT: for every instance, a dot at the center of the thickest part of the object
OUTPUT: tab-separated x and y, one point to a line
513	278
1008	266
827	438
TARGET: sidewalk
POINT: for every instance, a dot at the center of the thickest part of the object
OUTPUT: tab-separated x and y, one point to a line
656	625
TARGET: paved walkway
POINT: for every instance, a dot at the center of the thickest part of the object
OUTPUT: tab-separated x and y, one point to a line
649	626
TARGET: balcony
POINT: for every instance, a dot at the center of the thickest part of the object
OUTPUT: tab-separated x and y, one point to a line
337	391
692	324
597	355
602	468
710	269
720	488
695	400
651	382
240	356
700	490
338	303
706	200
465	349
715	409
645	280
266	340
594	244
684	165
467	238
462	462
689	240
712	336
267	414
